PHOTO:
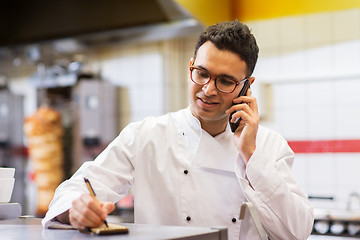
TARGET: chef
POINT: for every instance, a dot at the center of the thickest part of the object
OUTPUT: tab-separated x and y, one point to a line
188	168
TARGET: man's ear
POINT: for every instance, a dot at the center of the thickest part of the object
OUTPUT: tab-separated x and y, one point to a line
190	64
251	80
191	61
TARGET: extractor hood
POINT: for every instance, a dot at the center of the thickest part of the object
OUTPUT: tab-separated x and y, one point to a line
92	21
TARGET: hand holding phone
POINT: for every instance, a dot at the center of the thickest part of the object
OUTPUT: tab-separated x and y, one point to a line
243	92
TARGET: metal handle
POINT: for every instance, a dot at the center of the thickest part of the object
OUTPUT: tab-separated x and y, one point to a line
255	218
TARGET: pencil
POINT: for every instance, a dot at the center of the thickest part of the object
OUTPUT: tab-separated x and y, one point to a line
92	192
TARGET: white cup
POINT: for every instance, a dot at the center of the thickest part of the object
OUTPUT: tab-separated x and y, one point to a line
7	172
6	189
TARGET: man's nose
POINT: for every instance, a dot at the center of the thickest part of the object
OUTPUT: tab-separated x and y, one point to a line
210	88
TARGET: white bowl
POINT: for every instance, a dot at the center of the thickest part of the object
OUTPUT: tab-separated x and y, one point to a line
6	189
7	172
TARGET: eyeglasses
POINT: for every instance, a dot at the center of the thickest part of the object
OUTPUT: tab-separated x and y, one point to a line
223	84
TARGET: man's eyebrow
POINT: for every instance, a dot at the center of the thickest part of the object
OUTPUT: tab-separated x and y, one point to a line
219	75
199	66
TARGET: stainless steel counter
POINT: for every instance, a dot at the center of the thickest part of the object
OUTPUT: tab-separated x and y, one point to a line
31	229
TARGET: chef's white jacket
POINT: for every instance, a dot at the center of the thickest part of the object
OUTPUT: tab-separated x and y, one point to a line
183	176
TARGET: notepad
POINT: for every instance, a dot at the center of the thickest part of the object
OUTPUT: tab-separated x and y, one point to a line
103	230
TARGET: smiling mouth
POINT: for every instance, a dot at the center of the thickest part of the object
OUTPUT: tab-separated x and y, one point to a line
207	102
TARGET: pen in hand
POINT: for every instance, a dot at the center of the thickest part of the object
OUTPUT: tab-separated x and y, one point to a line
91	190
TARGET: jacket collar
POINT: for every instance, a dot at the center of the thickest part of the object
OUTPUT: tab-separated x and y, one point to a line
193	121
216	152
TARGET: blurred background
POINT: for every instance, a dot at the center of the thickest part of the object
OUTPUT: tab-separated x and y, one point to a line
74	73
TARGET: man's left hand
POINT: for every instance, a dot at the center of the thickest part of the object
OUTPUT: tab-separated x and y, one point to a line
245	134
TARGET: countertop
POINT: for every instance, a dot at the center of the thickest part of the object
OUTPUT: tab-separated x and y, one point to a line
31	229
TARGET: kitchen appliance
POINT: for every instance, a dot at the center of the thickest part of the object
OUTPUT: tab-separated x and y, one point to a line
89	116
29	21
12	151
95	118
10	211
337	222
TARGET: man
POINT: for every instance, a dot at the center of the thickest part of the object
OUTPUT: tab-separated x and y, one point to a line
188	168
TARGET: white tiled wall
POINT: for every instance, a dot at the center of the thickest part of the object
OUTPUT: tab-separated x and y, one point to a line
139	69
312	66
154	74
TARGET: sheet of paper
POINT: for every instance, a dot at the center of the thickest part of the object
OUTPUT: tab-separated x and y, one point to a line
59	225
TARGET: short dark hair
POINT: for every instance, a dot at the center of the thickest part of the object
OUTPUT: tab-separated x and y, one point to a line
233	36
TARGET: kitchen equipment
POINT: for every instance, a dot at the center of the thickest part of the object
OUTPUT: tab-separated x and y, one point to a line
322	226
353	228
95	118
336	222
7	172
337	227
6	189
12	150
9	211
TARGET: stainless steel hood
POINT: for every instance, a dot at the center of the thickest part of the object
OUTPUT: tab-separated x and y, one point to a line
92	21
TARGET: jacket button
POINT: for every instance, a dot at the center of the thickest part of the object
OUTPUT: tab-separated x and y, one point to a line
188	218
233	220
186	171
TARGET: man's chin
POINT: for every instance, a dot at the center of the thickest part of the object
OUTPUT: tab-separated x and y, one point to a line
210	116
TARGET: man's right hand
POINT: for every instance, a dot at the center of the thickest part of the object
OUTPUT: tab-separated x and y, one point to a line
87	212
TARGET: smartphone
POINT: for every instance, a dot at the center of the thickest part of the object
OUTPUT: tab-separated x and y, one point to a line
243	92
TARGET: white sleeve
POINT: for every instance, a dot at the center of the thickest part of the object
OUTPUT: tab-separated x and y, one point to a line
111	174
281	205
